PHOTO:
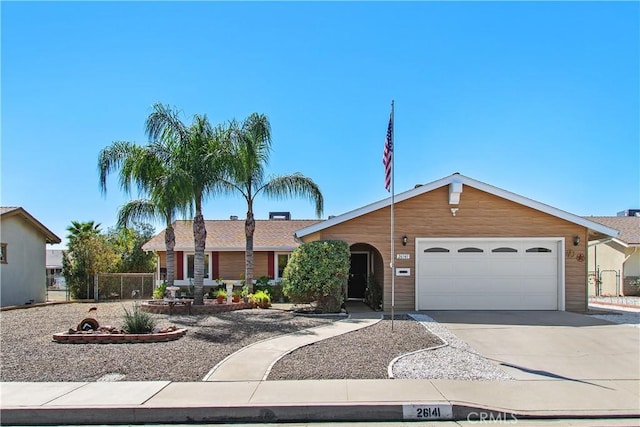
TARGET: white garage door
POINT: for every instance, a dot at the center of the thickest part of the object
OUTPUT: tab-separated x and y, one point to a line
488	274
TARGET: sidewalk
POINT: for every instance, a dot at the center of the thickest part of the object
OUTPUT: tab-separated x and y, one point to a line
301	401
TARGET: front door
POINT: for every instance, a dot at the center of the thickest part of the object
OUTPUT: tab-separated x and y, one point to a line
357	276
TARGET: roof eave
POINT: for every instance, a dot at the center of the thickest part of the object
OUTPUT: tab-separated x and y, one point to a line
591	225
49	236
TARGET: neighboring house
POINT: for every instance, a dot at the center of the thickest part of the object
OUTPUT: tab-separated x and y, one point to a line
462	244
615	262
273	242
23	241
55	279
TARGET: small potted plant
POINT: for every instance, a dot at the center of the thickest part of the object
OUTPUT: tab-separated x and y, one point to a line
236	295
221	296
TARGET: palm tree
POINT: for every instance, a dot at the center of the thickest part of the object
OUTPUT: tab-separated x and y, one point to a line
150	169
79	230
198	152
251	151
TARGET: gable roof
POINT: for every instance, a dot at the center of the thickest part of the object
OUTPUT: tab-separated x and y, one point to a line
629	227
458	178
9	211
229	235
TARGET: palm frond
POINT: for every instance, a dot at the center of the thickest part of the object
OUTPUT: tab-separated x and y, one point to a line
112	158
164	123
295	185
138	210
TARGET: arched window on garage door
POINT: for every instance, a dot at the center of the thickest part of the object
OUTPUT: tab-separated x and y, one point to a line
539	250
470	250
436	250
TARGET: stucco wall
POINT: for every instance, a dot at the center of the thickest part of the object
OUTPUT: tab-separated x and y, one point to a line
480	214
632	266
610	256
23	277
607	258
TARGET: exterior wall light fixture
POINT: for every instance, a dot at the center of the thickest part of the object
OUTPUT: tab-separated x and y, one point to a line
576	240
404	240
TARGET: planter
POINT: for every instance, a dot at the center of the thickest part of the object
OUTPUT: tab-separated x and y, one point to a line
220	300
236	299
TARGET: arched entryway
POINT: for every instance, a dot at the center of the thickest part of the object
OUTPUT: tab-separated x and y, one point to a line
366	274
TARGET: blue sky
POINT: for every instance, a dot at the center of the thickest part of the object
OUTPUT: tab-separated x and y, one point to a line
538	98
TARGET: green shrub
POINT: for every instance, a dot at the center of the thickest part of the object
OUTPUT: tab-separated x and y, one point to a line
263	280
318	271
275	292
138	321
221	293
159	292
373	293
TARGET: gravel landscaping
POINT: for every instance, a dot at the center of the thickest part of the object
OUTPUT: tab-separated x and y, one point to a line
457	360
362	354
29	353
622	315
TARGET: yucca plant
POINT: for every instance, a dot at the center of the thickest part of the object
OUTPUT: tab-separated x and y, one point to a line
138	321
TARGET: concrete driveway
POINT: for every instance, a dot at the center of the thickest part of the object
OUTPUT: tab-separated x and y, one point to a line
544	345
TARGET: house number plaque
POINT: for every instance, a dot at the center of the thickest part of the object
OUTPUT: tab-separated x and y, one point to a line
427	412
403	256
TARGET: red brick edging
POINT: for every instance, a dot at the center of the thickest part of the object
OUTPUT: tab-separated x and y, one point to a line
80	338
194	309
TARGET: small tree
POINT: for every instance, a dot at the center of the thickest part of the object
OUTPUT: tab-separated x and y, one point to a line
318	271
87	254
127	242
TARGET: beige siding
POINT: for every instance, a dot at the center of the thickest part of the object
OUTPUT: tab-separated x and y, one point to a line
232	264
480	214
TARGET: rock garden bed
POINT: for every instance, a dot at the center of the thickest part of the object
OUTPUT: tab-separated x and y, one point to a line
362	354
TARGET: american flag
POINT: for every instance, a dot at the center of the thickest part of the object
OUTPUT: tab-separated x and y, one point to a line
388	154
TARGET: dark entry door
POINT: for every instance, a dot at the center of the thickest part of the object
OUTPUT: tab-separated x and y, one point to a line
357	276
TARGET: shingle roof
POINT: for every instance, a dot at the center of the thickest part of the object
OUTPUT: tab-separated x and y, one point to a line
628	226
9	211
227	235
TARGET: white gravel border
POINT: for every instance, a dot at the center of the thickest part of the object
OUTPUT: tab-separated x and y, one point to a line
628	316
454	360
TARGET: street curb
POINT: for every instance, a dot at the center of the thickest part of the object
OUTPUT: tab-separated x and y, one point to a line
350	412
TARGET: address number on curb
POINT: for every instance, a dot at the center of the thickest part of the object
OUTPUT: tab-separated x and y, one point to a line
427	412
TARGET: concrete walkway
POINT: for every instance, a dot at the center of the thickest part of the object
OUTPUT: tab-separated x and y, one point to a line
254	362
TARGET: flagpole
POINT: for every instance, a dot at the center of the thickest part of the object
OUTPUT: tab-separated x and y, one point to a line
393	255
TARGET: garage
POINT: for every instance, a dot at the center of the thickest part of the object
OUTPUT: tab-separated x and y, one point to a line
462	244
489	274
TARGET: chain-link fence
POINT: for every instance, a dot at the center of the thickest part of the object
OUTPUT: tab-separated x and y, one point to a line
123	286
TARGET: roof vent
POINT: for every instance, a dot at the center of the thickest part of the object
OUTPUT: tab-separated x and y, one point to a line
233	217
331	216
280	215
